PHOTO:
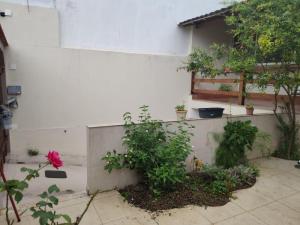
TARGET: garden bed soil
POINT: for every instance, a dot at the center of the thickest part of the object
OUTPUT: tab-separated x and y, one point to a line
186	194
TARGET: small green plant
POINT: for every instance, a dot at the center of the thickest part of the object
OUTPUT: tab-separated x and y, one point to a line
180	108
243	174
200	61
238	137
225	87
33	152
223	181
249	106
156	153
219	181
43	210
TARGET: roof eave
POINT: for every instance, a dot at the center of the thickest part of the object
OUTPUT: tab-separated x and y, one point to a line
218	13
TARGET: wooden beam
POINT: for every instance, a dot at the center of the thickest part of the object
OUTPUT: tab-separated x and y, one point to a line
216	92
270	97
213	80
193	82
242	88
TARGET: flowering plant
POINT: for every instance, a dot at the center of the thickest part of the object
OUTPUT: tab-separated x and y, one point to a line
54	159
155	152
14	188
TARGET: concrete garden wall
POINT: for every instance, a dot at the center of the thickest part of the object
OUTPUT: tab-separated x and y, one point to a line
102	139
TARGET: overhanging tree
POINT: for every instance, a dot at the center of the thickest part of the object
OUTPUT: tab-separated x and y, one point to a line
267	52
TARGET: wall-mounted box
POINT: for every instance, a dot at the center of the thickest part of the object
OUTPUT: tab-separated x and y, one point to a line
14	90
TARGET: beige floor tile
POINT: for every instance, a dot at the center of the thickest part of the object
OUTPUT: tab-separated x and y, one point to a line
276	163
185	216
123	221
266	172
243	219
277	214
216	214
114	208
272	188
107	194
131	221
250	199
292	201
288	179
146	220
74	201
91	217
28	220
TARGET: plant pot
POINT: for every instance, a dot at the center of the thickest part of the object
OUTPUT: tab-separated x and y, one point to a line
181	115
210	112
249	111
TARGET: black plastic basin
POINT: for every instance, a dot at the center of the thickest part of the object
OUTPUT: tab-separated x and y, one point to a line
210	112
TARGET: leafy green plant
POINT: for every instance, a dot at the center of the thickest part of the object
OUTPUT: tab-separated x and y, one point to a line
43	210
267	53
263	143
220	181
180	107
225	87
200	61
287	149
243	174
33	152
238	137
156	153
249	106
15	188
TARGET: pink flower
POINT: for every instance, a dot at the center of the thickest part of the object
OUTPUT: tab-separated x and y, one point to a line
54	159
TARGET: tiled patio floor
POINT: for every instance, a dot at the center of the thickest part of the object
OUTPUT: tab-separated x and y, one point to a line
274	200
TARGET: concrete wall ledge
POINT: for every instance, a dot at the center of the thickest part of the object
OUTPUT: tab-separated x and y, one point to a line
106	138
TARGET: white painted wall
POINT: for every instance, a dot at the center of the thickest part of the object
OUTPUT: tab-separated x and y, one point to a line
142	26
102	139
64	90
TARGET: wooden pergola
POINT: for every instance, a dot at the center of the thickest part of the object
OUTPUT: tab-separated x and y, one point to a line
237	96
234	96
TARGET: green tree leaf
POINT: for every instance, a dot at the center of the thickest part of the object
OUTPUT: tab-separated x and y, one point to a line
18	196
54	200
53	188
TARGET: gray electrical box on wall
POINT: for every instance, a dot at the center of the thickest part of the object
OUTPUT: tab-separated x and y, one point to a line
14	90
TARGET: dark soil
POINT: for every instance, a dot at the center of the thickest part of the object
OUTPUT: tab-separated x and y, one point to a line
191	193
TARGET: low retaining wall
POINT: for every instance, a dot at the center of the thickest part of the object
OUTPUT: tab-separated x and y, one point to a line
107	138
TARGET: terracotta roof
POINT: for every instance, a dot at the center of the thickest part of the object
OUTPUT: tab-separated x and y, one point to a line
218	13
2	37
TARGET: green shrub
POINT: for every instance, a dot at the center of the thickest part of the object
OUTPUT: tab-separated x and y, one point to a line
243	174
221	181
237	138
156	153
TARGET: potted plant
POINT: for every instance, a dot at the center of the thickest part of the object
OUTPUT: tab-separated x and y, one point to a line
181	112
249	109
